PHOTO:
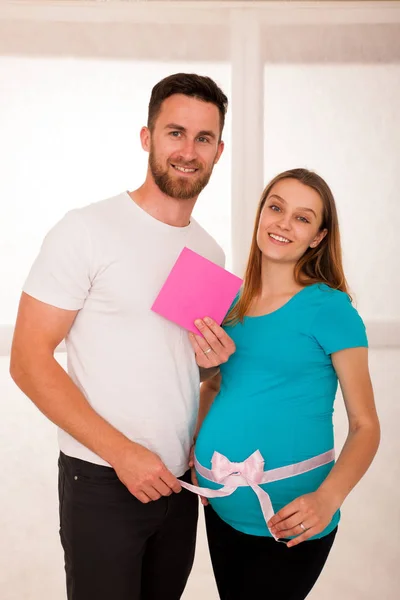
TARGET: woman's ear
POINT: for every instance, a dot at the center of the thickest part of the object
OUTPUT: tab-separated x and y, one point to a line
318	238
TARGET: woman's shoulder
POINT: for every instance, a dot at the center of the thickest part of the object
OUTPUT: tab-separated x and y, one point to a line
324	295
336	322
327	303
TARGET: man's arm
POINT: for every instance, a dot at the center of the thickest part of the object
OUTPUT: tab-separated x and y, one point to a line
39	329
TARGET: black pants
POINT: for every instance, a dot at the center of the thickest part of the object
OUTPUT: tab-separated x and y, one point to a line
117	548
247	566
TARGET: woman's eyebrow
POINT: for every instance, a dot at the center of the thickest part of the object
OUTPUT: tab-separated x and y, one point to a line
298	208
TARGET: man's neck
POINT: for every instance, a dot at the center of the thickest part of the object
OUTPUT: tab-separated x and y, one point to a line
169	210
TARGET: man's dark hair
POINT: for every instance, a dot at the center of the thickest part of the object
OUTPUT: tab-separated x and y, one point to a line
189	84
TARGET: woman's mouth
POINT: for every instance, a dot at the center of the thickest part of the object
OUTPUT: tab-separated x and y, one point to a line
279	239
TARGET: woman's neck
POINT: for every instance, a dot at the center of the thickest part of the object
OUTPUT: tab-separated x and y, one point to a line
278	279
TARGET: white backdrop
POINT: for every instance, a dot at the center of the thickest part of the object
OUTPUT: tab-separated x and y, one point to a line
343	121
74	85
70	136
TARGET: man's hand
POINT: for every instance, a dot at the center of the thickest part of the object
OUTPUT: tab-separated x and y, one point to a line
214	347
145	475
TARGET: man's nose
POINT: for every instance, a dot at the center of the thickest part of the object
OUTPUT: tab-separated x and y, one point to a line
188	150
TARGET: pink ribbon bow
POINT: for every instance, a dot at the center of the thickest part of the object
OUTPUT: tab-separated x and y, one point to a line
252	469
232	475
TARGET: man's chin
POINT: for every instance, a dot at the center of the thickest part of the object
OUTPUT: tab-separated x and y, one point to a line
180	187
184	194
183	190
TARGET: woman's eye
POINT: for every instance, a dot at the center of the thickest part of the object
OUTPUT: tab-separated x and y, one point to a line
303	220
274	207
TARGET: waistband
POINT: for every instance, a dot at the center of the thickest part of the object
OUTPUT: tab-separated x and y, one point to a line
251	473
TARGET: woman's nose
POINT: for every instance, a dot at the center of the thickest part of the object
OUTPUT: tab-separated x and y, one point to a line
284	222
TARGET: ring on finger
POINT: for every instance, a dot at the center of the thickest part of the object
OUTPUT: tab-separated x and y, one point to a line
207	351
303	526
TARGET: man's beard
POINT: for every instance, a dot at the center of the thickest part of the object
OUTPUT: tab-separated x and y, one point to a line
181	188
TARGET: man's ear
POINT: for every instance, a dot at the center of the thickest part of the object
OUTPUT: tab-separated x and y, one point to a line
318	238
220	150
145	138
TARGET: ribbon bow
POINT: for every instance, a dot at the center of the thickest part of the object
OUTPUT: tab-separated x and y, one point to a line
251	469
230	474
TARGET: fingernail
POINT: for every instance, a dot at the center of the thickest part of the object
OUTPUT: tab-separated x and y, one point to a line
207	320
198	323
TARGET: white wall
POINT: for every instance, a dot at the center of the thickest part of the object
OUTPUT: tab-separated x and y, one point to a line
70	136
343	122
73	96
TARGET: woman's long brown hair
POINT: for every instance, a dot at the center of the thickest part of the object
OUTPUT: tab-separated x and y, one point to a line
322	264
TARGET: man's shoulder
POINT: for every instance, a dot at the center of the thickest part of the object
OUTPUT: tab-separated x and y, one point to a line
113	205
97	218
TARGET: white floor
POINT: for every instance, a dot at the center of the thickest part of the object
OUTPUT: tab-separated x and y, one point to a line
364	563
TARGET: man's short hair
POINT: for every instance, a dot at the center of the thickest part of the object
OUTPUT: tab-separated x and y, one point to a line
189	84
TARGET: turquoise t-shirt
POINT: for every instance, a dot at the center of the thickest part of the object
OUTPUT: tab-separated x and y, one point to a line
277	396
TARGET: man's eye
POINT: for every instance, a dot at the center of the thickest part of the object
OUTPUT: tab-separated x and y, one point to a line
175	133
203	140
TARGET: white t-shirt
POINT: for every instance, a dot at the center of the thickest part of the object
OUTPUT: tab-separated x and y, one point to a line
109	260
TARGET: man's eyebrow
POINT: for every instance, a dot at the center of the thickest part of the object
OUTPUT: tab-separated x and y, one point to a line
299	208
177	127
205	132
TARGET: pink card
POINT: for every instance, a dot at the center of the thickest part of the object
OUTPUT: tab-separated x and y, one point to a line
196	288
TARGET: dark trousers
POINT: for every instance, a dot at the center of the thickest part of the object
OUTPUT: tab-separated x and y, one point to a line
247	566
117	548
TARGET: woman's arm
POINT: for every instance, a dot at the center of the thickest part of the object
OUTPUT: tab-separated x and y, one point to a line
315	510
363	437
208	392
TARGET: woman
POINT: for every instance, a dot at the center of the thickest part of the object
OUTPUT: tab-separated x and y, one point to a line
265	422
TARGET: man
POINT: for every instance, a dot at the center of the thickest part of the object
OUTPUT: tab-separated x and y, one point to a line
127	408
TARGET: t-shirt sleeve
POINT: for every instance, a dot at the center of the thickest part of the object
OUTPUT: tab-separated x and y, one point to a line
338	325
60	275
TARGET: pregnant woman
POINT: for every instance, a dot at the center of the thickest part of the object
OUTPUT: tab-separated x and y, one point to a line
264	454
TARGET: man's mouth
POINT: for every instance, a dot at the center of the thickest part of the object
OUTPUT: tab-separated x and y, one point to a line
184	169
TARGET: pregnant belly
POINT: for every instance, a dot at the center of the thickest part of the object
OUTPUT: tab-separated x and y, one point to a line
237	441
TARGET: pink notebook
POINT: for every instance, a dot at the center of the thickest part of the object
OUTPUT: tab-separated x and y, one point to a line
196	288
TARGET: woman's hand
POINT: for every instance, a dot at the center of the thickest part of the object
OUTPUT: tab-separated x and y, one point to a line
305	517
195	482
214	346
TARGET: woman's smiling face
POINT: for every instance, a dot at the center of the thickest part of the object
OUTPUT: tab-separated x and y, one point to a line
290	221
